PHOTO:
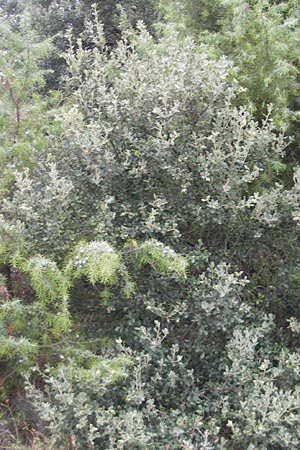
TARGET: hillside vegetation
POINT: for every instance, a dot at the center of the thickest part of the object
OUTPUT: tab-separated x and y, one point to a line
149	225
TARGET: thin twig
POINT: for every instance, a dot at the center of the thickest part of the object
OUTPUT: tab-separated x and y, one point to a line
16	102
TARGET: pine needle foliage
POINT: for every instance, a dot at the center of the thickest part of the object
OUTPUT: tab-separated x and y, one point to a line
22	109
162	258
11	347
13	314
98	261
47	280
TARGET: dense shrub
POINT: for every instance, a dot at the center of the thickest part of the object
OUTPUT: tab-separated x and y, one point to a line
152	259
261	38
